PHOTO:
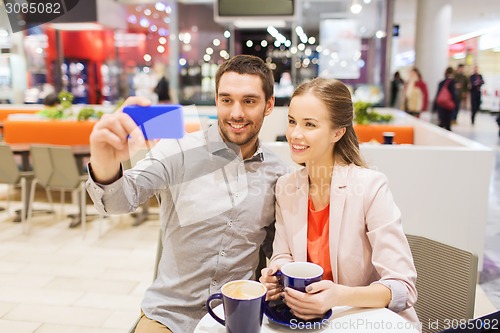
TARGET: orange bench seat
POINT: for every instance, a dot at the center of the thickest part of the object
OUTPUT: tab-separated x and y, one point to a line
56	132
402	134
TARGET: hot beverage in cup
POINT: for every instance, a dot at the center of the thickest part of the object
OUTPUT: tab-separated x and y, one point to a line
298	275
243	302
388	138
242	290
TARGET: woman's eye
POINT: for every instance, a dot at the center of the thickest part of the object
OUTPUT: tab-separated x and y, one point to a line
310	125
291	121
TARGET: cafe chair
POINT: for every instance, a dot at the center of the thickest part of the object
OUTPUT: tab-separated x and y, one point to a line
159	249
55	168
10	175
446	282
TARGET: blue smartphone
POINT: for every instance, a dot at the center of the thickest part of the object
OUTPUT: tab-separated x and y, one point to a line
162	121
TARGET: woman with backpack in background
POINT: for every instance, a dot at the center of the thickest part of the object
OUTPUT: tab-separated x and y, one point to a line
446	102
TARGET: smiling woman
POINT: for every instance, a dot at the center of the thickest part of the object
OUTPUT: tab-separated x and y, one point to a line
337	213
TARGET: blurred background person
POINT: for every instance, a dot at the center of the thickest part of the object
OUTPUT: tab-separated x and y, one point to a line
462	87
476	81
162	89
498	122
51	99
415	96
446	114
397	86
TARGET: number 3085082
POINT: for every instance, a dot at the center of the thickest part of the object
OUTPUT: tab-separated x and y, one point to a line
471	323
33	8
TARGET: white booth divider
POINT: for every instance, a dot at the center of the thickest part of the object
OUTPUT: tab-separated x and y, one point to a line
440	183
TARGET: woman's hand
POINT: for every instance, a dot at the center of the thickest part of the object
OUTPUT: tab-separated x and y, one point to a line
269	279
317	300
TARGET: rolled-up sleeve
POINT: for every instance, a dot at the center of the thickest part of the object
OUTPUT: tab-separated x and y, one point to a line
108	199
399	294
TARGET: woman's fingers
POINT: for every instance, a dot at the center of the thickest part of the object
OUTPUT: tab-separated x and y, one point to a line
303	305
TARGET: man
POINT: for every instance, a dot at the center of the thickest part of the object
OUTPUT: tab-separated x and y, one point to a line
476	81
216	190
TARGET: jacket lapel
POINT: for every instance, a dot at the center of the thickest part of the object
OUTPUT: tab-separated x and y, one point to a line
299	234
338	194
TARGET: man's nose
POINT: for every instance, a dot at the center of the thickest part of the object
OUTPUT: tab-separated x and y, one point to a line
237	111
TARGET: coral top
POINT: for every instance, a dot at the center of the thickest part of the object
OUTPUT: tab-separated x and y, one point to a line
318	242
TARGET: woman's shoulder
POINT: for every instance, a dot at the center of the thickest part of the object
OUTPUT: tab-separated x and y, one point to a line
365	175
292	177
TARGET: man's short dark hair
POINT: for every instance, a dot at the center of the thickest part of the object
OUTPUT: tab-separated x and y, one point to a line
248	64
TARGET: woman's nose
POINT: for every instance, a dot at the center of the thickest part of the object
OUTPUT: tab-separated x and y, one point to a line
296	132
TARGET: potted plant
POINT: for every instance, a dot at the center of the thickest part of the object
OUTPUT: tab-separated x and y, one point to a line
364	114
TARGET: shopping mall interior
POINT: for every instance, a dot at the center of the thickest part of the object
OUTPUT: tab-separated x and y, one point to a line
54	278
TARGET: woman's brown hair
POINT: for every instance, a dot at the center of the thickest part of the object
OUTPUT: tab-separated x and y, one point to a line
337	99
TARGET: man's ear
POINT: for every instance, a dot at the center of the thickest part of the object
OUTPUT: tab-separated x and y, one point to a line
269	106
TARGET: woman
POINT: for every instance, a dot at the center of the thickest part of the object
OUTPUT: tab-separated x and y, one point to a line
397	85
337	213
415	95
446	113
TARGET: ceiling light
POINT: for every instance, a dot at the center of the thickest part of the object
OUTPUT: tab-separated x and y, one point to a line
356	7
258	23
473	34
160	6
76	26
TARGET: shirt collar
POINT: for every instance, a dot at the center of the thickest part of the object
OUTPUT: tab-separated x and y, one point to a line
216	144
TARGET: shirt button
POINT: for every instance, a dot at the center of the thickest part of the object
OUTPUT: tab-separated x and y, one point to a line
230	223
214	282
236	195
222	253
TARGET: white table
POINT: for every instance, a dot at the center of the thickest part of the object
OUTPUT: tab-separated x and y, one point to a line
344	320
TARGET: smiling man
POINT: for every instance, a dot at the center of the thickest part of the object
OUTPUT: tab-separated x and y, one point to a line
216	190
